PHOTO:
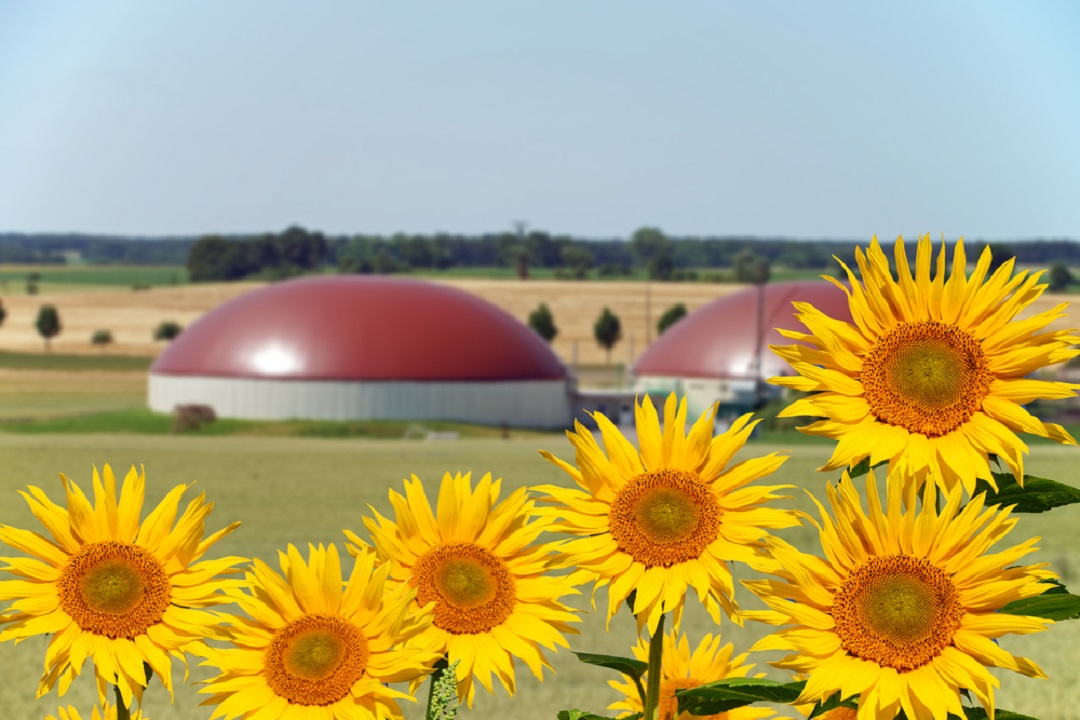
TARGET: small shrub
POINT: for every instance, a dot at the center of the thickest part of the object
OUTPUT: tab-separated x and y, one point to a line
101	338
192	417
167	330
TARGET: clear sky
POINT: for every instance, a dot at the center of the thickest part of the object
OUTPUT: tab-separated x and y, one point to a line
804	119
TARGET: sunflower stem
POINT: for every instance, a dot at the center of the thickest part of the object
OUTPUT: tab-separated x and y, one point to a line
652	686
433	711
122	712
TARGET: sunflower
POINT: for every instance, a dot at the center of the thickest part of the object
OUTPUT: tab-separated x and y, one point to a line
314	648
107	588
477	559
680	670
107	712
666	519
903	610
932	375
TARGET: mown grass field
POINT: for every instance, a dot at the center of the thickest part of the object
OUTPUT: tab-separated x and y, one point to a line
307	490
54	278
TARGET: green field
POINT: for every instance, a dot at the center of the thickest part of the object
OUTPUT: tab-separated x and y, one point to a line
61	278
142	421
306	490
56	361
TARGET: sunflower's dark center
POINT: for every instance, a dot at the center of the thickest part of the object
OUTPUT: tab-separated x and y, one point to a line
664	517
473	589
897	611
926	377
316	660
114	589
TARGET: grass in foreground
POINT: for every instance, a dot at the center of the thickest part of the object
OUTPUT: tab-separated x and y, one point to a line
142	421
57	361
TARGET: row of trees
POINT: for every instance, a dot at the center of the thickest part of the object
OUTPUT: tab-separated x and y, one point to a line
166	330
607	329
55	248
443	250
216	258
293	251
48	325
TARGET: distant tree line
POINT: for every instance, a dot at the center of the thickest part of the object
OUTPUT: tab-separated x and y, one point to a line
50	248
269	256
220	257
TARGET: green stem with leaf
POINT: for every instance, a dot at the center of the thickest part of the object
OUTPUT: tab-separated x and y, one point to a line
122	711
652	685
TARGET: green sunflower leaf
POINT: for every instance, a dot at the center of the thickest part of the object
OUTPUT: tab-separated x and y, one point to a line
860	468
832	703
863	466
627	666
583	715
978	713
1056	603
1037	495
724	695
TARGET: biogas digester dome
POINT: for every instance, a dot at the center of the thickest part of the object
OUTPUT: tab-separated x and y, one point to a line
714	352
352	347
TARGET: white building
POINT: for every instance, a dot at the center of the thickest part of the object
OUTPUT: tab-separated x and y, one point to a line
350	347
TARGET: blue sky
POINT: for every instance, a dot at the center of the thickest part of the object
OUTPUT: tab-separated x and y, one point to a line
803	119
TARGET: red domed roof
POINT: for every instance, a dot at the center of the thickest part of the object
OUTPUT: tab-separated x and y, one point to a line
717	340
350	327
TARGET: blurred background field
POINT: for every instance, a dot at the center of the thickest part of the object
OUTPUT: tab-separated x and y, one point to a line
304	490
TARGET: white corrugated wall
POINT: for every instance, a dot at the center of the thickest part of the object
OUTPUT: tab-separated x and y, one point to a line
524	403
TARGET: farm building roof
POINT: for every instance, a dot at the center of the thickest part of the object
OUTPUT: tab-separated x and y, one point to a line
352	327
718	339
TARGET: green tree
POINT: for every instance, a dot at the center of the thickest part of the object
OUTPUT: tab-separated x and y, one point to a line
417	252
101	338
1060	277
608	331
32	280
47	324
384	263
167	330
750	268
301	248
648	242
543	323
661	266
672	315
543	250
577	260
212	257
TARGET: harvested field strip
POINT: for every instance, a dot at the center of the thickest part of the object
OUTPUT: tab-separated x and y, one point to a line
72	362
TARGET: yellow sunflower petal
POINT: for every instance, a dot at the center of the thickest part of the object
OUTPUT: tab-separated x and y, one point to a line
910	620
318	664
667	528
942	363
105	593
481	577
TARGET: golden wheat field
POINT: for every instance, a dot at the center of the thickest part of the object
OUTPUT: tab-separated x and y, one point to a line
132	315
